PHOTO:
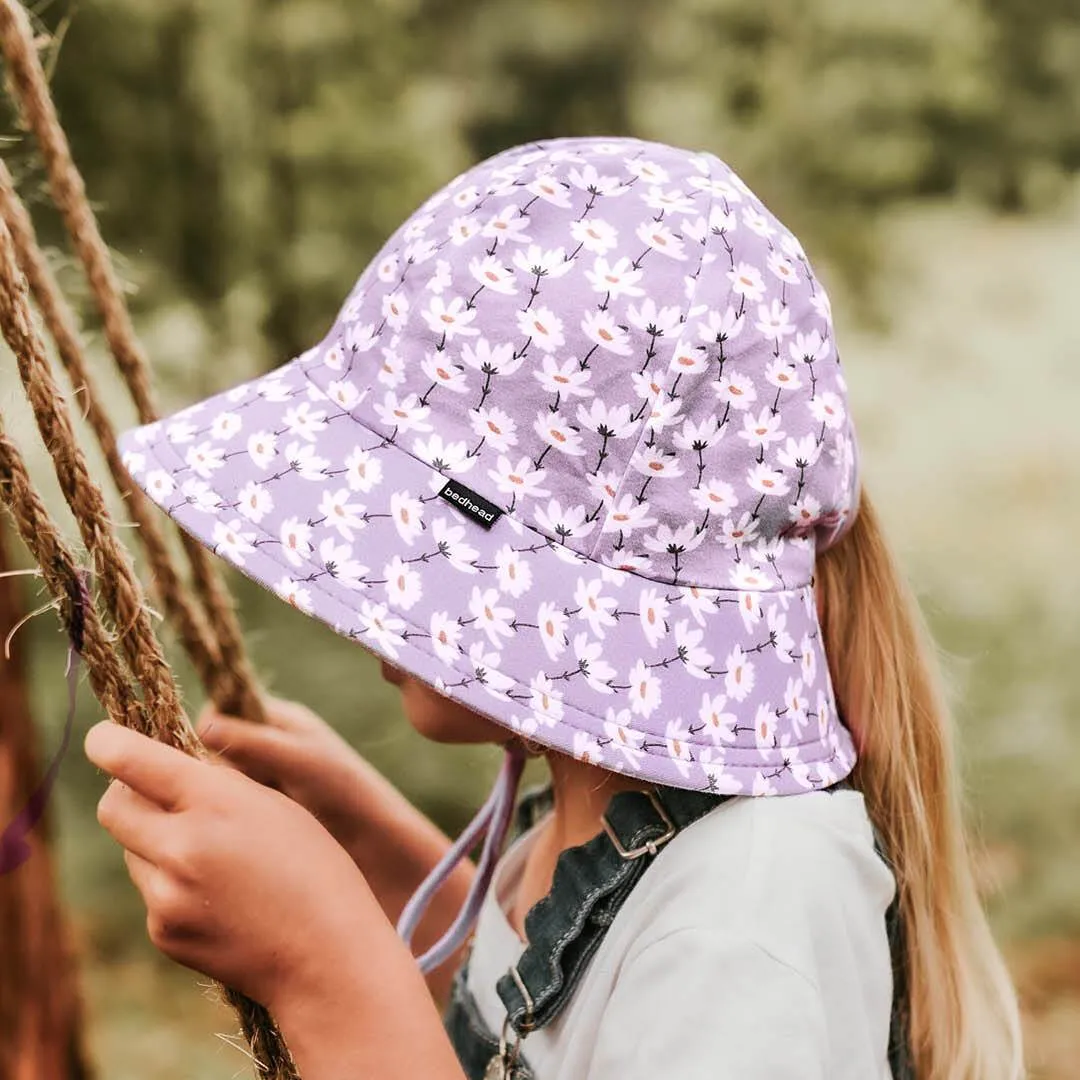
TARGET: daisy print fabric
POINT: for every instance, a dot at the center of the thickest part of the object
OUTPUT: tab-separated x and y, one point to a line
614	346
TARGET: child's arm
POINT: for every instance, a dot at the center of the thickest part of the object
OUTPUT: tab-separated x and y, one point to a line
393	843
244	885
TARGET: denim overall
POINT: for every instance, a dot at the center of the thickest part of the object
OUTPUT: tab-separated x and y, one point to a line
566	927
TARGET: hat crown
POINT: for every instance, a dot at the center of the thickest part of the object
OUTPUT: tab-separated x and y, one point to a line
616	342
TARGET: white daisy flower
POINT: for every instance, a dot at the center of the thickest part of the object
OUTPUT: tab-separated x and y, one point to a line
451	320
652	611
205	459
739	680
563	522
361	337
442	373
508	225
688	360
663	412
762	430
644	693
719	725
543	327
750	609
408	515
497	428
305	462
653	320
295	536
595	608
518	478
225	425
774	321
615	280
677	739
337	560
628	514
254	501
758	222
446	457
466	197
675	541
363	471
551	622
588	179
597	671
334	357
765	727
159	483
340	514
735	532
445	637
493	619
566	378
749	578
180	432
293	592
200	496
796	703
618	729
550	190
647	170
721	326
395	309
698	435
672	201
303	421
586	749
661	239
809	348
544	700
439	282
513	573
343	394
403	585
769	481
782	375
782	642
805	512
538	262
450	541
231	541
746	280
736	390
783	268
594	235
494	274
492	359
405	414
654	462
557	433
381	628
828	409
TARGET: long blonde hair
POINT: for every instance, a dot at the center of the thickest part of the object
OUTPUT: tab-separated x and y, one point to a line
964	1018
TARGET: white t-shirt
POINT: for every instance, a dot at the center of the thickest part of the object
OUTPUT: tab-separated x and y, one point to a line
754	948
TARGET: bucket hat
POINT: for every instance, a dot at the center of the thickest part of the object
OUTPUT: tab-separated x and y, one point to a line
567	454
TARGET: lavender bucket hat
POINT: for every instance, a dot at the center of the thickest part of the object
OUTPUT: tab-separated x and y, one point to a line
567	455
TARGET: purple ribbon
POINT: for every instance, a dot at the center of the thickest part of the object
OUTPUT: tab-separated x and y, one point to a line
15	846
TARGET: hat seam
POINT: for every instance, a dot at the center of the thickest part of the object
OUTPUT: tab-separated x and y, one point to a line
355	635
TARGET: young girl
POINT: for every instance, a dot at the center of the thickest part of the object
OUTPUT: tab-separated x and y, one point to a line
575	461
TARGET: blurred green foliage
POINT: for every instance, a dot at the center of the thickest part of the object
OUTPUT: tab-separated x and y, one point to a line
255	153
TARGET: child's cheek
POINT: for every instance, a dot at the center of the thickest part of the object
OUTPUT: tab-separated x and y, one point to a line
442	720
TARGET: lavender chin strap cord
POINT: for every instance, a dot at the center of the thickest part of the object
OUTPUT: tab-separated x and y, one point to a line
493	819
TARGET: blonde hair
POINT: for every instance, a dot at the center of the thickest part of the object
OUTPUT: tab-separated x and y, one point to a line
964	1019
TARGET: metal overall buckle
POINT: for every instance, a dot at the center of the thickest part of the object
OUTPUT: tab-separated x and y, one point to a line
503	1066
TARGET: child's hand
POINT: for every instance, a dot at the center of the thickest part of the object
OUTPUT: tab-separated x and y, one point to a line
240	882
298	753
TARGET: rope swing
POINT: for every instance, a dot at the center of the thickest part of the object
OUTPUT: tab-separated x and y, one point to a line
126	664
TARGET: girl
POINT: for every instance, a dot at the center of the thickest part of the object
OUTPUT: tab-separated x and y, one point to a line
575	461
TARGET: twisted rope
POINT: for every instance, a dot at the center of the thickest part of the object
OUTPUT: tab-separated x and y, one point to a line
61	321
119	589
234	687
107	678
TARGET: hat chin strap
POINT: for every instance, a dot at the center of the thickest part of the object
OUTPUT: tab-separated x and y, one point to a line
493	819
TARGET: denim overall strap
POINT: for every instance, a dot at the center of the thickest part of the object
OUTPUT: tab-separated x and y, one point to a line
589	886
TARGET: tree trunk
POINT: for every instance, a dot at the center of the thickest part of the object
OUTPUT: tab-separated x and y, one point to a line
40	1008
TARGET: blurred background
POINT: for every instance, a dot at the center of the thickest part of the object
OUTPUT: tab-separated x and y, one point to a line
248	158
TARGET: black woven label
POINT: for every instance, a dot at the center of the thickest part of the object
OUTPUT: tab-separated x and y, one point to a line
473	506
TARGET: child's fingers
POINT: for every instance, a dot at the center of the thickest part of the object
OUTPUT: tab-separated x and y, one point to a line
263	752
132	820
158	772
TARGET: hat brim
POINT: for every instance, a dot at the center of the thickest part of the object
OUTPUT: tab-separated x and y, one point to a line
695	688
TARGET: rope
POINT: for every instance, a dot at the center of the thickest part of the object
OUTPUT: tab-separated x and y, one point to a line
235	681
61	322
61	576
118	587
